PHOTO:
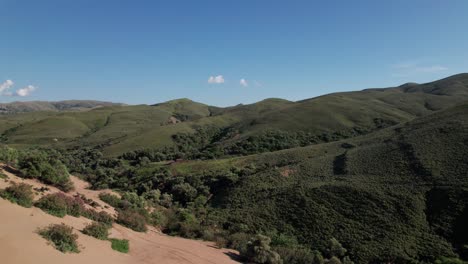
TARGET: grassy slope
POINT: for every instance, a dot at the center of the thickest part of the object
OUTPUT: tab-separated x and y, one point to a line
117	129
384	194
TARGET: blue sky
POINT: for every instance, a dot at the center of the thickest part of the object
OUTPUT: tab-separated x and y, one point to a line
152	51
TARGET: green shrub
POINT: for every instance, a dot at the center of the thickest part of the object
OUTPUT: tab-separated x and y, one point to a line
183	223
61	236
111	199
120	245
3	175
238	241
21	194
134	200
59	204
101	217
298	255
97	230
258	251
38	165
8	155
444	260
158	218
132	219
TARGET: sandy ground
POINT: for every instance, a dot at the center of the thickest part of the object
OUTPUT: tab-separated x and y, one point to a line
20	244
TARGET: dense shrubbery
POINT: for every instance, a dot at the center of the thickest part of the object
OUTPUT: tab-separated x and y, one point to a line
211	142
111	199
120	245
62	237
97	230
132	219
8	155
258	250
101	217
21	194
59	204
38	164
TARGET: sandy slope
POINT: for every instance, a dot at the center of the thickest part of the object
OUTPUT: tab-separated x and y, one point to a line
19	242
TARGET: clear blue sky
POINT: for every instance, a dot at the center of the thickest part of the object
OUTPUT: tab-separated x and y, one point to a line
152	51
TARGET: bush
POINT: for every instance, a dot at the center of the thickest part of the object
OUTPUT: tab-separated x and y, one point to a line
3	175
158	218
183	223
132	219
258	251
101	217
21	194
97	230
444	260
120	245
38	165
111	199
61	236
59	204
299	255
8	155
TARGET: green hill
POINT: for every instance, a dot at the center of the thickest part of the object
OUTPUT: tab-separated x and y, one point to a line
116	129
382	171
397	195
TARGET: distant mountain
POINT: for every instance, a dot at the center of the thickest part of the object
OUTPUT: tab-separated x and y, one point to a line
69	105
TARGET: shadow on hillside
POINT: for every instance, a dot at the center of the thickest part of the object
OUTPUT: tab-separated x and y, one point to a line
234	256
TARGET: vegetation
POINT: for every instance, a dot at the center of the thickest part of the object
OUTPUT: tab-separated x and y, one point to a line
39	165
59	204
97	230
343	178
120	245
21	194
132	219
62	237
258	251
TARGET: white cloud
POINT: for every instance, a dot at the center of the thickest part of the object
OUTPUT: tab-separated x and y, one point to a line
411	68
243	82
216	79
25	91
5	86
5	89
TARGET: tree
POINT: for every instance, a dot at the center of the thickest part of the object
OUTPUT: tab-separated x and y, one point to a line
333	260
8	155
258	250
335	249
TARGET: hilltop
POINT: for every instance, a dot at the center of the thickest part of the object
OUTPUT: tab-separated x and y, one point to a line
34	106
116	129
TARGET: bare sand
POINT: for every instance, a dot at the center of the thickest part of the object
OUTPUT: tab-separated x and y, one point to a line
20	243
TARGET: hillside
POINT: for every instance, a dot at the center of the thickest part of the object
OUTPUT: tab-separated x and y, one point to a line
19	231
34	106
373	176
394	196
118	129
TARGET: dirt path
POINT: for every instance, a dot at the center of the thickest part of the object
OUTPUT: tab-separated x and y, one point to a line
20	244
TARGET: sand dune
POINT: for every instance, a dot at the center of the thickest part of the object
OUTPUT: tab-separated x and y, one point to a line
20	244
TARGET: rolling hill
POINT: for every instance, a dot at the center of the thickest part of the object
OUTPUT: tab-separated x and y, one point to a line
33	106
372	176
397	195
116	129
